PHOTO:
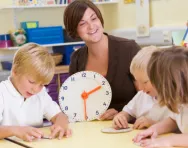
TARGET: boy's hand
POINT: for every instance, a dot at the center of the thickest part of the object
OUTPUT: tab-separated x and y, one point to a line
59	131
143	122
27	133
60	126
109	114
120	121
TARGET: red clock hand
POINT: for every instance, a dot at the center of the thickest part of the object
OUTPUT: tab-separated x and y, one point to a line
85	95
85	110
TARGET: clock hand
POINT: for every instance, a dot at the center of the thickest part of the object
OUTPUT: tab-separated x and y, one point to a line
94	90
85	95
85	112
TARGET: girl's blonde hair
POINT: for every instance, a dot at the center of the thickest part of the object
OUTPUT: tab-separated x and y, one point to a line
168	72
34	60
141	59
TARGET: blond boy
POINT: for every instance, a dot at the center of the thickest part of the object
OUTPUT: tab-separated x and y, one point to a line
23	99
144	106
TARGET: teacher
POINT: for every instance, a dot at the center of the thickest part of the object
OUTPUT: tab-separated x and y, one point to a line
105	54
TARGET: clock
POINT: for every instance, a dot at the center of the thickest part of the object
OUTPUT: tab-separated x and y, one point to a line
85	96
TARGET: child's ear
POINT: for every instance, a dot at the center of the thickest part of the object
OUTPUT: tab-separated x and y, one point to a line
13	71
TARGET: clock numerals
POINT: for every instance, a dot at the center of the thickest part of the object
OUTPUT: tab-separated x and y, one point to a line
83	74
62	98
72	79
74	115
107	92
87	86
65	87
66	107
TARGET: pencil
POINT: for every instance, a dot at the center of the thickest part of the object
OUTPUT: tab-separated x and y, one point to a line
18	143
186	32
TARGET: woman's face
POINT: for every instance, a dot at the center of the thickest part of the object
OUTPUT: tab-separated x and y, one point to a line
89	28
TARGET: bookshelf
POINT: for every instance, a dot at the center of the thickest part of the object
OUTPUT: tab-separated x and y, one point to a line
47	45
55	5
17	8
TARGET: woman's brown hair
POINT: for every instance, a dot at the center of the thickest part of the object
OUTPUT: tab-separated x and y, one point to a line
168	72
74	13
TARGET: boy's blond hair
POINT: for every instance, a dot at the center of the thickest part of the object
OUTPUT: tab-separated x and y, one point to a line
141	59
34	60
168	73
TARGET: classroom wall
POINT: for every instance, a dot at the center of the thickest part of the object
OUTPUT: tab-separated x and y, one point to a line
116	16
162	13
120	15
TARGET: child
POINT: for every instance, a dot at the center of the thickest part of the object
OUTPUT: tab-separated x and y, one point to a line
144	106
23	99
168	72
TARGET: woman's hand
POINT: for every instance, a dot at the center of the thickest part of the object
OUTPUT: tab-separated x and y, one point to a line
109	114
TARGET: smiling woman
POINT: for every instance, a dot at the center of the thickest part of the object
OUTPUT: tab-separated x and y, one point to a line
107	55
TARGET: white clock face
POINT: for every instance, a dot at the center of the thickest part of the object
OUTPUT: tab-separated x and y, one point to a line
85	96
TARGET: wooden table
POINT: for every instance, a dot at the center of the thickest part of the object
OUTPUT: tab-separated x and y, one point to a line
86	135
7	144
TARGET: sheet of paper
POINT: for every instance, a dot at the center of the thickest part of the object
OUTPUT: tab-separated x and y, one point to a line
112	130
